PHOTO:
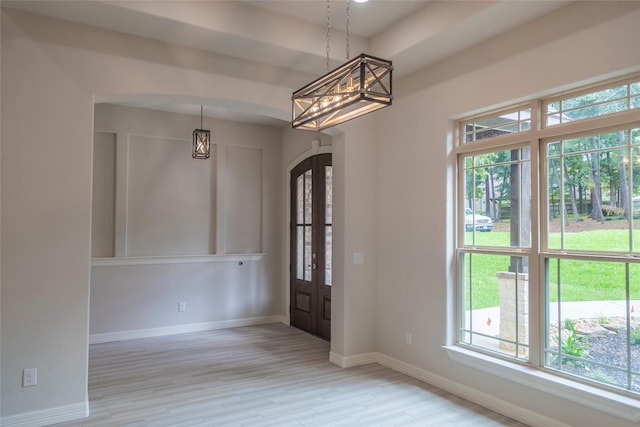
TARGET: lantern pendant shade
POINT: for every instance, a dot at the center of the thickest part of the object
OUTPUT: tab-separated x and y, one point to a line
201	144
356	88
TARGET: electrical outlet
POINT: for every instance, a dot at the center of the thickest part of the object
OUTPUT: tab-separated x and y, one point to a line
182	306
358	258
408	338
29	377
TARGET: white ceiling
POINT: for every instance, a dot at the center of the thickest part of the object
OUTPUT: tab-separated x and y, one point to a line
292	34
366	19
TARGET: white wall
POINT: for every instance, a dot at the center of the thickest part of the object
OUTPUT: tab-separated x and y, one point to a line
51	73
45	229
163	201
103	195
167	203
585	41
405	283
355	197
218	293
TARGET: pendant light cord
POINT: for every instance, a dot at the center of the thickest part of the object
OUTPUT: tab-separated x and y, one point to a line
348	28
201	116
348	32
328	31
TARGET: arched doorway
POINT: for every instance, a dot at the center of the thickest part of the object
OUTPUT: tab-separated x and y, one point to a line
311	245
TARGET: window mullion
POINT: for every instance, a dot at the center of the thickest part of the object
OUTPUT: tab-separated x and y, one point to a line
628	324
536	291
567	262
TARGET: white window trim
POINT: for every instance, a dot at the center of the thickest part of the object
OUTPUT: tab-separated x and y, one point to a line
619	403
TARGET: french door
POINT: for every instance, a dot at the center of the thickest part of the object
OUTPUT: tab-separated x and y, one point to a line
311	243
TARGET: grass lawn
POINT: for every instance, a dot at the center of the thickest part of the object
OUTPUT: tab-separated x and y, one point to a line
580	280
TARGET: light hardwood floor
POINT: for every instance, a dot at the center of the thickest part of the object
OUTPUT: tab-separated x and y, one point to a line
271	375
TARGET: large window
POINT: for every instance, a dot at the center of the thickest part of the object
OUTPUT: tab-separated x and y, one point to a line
549	234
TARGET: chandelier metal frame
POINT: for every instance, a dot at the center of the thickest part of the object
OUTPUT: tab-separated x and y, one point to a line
358	87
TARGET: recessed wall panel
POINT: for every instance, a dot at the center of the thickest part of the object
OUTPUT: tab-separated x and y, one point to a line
169	198
103	197
243	200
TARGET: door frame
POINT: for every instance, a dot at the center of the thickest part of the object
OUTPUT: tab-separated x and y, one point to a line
316	149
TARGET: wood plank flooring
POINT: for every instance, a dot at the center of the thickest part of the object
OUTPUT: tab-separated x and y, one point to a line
271	375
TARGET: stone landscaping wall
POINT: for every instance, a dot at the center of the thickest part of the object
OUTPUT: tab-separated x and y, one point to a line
514	304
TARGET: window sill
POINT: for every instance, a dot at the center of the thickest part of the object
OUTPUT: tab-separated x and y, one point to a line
186	259
621	406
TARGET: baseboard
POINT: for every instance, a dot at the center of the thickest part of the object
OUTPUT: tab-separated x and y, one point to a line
49	416
181	329
349	361
478	397
483	399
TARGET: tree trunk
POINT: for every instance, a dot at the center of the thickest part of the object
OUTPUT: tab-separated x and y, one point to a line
491	196
487	194
580	199
612	182
624	191
572	191
624	196
520	224
596	198
503	188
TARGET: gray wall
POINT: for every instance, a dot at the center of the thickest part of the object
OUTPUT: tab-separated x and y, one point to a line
47	194
578	44
166	214
392	170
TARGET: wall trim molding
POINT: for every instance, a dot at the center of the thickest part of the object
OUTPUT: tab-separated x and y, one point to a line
583	394
186	259
481	398
471	394
315	149
59	414
349	361
182	329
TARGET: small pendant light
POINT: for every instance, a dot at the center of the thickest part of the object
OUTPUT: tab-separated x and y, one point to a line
201	141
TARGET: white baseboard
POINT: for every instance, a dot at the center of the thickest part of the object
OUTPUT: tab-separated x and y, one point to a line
483	399
349	361
181	329
478	397
49	416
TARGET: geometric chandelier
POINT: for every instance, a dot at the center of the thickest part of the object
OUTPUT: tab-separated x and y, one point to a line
201	141
352	90
356	88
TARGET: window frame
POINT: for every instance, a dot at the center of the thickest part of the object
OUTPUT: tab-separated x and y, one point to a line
539	252
585	90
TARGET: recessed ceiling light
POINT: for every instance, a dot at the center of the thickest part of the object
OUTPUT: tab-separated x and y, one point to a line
360	1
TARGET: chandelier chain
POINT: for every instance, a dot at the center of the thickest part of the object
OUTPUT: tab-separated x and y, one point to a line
348	28
328	31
